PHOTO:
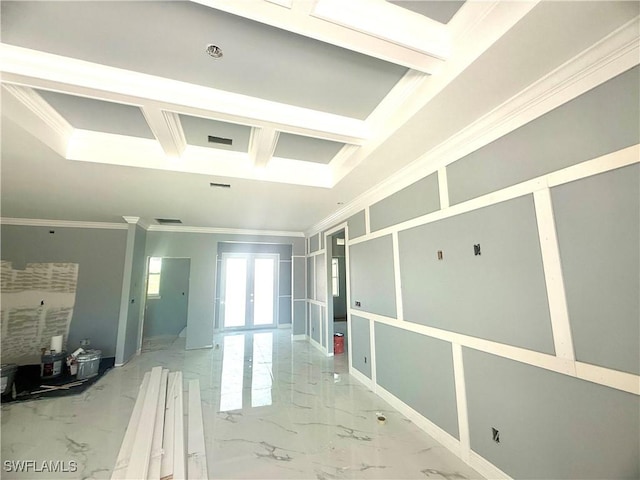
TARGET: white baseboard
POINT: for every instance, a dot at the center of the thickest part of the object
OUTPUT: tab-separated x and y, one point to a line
486	468
361	377
299	337
284	325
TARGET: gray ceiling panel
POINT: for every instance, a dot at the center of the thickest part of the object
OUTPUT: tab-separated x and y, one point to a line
439	10
306	148
197	132
99	116
290	68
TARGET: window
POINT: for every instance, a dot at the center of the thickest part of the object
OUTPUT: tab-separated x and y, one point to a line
335	277
153	283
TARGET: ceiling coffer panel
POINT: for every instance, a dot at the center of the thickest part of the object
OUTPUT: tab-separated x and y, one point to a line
259	60
203	132
98	115
308	149
439	10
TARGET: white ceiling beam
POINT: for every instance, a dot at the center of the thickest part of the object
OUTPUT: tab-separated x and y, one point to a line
167	128
262	144
428	49
46	71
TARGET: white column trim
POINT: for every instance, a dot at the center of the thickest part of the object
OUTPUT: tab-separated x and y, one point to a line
558	311
372	349
262	144
397	276
443	187
367	221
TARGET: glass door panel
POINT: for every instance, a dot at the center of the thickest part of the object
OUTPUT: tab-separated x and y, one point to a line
235	292
263	291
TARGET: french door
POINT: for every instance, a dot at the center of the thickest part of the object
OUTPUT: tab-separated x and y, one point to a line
249	290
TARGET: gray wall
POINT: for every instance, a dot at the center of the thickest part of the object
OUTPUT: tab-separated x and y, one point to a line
357	225
100	254
299	296
418	370
372	277
361	345
202	249
167	313
551	425
598	224
498	295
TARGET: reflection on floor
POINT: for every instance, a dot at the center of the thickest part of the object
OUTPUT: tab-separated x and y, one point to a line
272	409
160	342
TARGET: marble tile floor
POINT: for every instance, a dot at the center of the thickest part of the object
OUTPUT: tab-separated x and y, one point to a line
272	409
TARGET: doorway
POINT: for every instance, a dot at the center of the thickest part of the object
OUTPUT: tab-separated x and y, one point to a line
167	298
249	296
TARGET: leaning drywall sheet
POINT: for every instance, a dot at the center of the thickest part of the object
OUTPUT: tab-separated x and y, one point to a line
37	304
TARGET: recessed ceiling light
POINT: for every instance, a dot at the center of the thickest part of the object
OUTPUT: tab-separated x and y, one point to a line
214	51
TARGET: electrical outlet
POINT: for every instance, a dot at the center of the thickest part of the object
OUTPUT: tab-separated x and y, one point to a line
476	250
358	304
440	255
365	359
85	342
495	434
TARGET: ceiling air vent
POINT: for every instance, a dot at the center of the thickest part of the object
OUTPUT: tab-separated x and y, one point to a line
168	221
220	185
220	140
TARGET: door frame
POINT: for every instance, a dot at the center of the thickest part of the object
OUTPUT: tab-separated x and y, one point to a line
250	274
328	318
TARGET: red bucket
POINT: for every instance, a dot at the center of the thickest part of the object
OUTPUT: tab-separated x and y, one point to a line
338	343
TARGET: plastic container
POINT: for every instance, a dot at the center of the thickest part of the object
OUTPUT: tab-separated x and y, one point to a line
338	343
52	364
88	364
8	371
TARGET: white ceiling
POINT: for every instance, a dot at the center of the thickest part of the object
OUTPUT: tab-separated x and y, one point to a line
106	106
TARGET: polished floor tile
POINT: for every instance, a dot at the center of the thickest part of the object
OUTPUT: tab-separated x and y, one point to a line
272	409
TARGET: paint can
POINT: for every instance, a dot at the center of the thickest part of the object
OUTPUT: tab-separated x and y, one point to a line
8	374
52	364
338	343
88	363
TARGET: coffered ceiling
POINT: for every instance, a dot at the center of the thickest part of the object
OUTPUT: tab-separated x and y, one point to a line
116	108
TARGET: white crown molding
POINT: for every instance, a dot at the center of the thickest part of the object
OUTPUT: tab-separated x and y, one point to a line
613	55
34	102
373	43
223	231
31	68
34	222
131	220
167	129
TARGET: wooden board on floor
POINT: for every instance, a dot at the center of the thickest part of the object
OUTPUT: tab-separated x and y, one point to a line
166	469
196	452
179	468
155	459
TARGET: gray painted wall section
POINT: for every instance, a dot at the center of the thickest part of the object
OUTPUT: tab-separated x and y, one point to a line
372	277
202	249
168	313
603	120
314	243
361	345
320	273
299	318
417	199
499	295
100	254
419	371
357	225
598	225
315	322
551	426
299	278
311	277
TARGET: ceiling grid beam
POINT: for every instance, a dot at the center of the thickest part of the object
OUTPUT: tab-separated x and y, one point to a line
167	129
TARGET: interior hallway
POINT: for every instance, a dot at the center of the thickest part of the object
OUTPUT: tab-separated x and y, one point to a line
272	408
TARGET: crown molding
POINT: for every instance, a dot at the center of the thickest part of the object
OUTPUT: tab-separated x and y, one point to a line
167	129
262	144
613	55
223	231
131	220
35	222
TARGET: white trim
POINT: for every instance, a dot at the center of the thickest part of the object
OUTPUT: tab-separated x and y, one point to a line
223	231
196	450
485	468
284	326
131	220
372	350
155	460
299	299
624	381
609	57
262	144
167	129
603	376
34	222
396	274
443	188
445	438
461	401
301	336
558	311
361	377
316	302
610	161
367	220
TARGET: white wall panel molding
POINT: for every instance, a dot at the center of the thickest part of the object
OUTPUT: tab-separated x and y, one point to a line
372	351
367	220
613	55
316	253
486	468
443	188
396	274
35	222
461	402
316	302
366	381
167	128
559	313
605	163
603	376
